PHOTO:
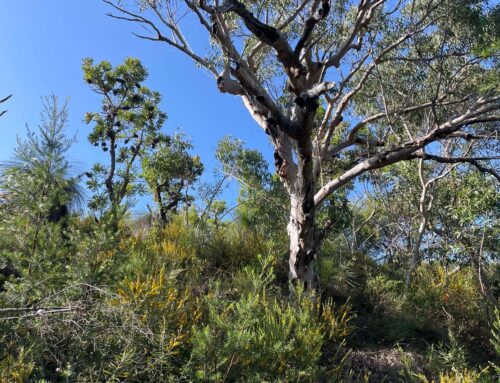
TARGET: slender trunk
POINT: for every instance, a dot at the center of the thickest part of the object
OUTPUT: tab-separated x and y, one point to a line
484	284
482	278
424	217
163	213
163	217
301	227
415	258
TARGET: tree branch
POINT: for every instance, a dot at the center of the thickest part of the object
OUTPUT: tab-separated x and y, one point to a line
456	160
474	115
366	10
317	14
133	17
2	101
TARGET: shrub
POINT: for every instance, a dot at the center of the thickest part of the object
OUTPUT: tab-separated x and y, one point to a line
261	337
450	302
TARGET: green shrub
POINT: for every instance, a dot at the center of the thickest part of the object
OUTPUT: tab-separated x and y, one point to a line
261	337
450	302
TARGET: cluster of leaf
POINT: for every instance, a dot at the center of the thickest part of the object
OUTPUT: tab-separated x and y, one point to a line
169	171
128	125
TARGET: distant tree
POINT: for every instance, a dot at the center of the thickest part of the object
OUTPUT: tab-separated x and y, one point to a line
37	178
371	65
37	190
445	213
170	170
262	200
126	127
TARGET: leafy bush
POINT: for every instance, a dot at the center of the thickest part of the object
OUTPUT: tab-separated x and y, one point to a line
261	337
450	302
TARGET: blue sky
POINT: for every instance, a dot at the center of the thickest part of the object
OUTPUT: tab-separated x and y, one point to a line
42	44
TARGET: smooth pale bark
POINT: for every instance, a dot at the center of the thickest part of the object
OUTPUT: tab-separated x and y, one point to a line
424	207
424	219
301	227
477	261
415	258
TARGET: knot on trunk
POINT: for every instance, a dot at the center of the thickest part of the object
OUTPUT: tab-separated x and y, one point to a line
281	164
226	84
310	103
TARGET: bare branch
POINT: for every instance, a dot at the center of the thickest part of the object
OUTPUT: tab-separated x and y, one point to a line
317	14
265	33
5	99
2	101
365	13
456	160
133	17
474	115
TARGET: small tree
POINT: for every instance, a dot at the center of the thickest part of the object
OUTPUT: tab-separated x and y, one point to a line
127	127
37	194
170	171
37	179
262	199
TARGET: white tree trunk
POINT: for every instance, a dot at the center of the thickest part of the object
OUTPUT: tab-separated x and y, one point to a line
415	258
301	233
301	227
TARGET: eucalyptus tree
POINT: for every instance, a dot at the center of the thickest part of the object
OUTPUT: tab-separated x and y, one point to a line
126	127
469	224
371	64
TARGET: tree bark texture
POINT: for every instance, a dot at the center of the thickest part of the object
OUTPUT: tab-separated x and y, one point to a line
301	227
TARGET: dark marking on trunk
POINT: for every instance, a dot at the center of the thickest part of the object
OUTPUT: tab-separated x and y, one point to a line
260	99
312	104
300	101
214	29
271	121
325	9
307	206
278	160
310	256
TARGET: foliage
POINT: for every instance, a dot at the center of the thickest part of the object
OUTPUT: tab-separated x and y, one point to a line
170	171
127	126
243	336
451	303
37	195
495	340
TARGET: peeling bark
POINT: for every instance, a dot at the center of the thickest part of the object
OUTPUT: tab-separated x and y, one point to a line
301	227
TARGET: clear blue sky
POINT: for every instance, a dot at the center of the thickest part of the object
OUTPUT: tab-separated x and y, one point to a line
42	44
